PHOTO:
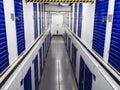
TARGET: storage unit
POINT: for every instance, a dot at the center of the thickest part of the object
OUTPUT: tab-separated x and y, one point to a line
18	5
100	26
43	53
4	61
36	72
27	80
74	53
39	18
35	20
85	76
69	42
114	56
80	20
71	17
41	61
75	17
81	74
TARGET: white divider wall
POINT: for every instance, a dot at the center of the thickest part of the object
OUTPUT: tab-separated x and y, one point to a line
38	19
108	30
28	23
10	30
88	12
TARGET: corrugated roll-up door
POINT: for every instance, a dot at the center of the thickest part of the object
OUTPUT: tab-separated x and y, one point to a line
81	74
35	20
80	20
27	81
88	79
36	72
85	76
69	42
41	61
40	18
74	53
71	17
100	26
75	17
18	5
4	62
114	56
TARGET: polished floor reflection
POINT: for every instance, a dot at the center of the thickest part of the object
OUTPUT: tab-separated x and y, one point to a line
57	73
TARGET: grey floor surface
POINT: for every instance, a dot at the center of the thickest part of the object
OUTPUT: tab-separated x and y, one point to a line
57	74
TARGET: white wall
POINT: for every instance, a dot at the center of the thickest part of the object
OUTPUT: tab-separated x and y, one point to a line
57	8
57	24
87	23
28	23
108	31
10	30
38	19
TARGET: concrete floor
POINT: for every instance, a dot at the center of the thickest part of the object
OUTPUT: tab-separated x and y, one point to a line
57	74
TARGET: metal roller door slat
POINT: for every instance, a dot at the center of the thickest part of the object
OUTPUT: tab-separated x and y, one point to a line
19	25
114	55
4	62
100	26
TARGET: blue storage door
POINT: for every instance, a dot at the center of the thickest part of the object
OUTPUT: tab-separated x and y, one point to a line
19	26
69	42
75	17
36	72
40	52
114	55
88	79
35	20
80	20
27	81
100	26
74	52
4	62
81	74
40	18
71	17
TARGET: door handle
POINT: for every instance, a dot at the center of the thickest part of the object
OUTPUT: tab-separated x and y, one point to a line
17	18
104	20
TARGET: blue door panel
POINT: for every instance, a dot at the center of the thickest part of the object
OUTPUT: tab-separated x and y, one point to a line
75	17
4	61
74	53
88	79
85	76
36	72
40	18
27	81
100	26
40	52
35	20
69	42
19	26
80	20
81	74
114	55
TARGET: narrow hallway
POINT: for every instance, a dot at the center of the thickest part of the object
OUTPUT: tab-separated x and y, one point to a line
57	74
